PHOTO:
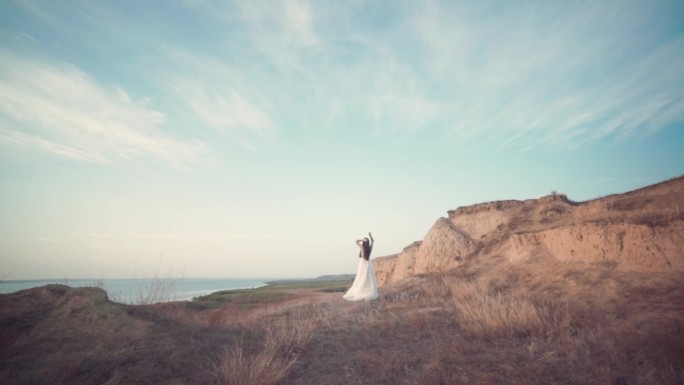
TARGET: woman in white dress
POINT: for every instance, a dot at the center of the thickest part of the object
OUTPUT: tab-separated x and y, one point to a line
364	286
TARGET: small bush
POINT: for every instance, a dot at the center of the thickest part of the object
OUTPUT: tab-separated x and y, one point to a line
238	366
284	338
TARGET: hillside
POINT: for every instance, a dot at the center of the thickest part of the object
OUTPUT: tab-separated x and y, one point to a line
642	230
543	291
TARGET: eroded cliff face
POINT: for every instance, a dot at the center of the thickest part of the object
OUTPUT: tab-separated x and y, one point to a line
642	230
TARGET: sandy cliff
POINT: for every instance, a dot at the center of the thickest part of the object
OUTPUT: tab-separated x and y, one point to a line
642	230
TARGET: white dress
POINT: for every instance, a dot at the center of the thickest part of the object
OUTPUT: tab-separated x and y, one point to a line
364	286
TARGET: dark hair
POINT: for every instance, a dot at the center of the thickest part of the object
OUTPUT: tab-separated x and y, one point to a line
366	249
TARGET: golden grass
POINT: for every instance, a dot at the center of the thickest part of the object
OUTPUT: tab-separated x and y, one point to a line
488	315
494	328
474	328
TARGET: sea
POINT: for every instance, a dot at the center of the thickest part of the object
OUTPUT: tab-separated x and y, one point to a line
141	290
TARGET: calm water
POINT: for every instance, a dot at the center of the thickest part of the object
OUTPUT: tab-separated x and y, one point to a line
133	291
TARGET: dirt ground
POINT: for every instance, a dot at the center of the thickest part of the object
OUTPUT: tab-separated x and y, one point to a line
581	326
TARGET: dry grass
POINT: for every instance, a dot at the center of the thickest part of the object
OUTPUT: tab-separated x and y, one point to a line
479	324
239	366
484	326
491	315
285	334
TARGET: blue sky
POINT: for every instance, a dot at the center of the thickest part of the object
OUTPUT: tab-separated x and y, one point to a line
261	138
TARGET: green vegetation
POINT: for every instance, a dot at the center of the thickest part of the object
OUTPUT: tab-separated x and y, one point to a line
324	286
245	298
272	293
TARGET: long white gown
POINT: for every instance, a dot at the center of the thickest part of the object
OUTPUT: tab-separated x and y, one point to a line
364	286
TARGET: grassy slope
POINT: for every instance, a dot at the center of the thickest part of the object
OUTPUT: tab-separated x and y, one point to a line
485	322
60	335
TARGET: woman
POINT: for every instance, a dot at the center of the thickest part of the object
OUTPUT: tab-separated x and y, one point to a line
364	286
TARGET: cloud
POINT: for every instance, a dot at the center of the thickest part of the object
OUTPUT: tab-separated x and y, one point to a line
58	109
397	102
226	98
565	75
279	26
301	68
222	107
515	76
518	77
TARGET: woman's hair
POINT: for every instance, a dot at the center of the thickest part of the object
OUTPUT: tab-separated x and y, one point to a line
366	249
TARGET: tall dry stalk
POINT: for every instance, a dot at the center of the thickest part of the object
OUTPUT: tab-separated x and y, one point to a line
157	290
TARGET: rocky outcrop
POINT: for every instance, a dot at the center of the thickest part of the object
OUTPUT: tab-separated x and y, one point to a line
444	247
384	269
642	230
633	246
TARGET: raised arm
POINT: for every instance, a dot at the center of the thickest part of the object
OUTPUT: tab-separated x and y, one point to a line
372	241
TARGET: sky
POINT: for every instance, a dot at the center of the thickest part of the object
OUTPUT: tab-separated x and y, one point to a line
260	139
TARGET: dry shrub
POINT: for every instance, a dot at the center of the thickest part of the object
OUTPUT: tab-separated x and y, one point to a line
284	338
487	315
238	366
156	290
464	291
320	314
401	297
291	333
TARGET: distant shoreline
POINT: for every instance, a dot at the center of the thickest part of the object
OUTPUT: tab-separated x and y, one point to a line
323	278
142	290
137	290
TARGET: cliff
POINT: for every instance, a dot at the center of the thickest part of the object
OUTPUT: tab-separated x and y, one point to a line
641	230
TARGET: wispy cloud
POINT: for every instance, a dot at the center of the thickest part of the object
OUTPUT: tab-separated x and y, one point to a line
515	76
224	108
565	75
397	101
225	98
279	28
59	109
523	77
